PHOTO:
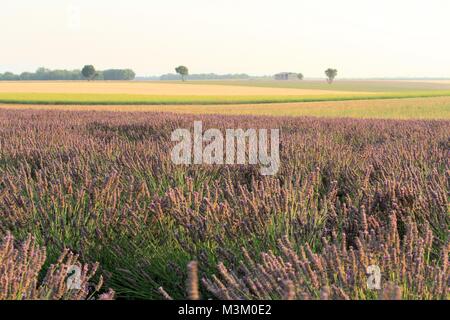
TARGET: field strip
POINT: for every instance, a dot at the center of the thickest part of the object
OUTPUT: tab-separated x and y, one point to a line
376	86
129	99
412	108
427	81
158	89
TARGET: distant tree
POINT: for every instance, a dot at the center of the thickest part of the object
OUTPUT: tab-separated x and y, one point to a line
42	70
183	71
300	76
26	76
118	74
89	72
331	75
41	74
44	74
9	76
99	75
201	76
129	74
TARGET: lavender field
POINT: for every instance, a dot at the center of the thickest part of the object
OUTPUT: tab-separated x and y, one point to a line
99	190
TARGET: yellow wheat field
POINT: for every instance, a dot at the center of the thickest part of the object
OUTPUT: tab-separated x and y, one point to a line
158	89
414	108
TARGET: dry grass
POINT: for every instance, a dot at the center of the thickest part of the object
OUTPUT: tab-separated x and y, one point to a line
413	108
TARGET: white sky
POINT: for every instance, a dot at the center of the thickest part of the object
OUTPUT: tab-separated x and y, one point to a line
361	38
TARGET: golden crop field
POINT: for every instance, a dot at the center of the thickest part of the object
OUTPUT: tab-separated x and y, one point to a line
417	100
157	89
414	108
210	93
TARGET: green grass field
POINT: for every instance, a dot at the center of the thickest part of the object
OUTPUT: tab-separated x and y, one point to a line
134	99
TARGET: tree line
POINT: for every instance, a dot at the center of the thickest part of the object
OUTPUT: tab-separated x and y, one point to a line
331	74
88	72
47	74
202	76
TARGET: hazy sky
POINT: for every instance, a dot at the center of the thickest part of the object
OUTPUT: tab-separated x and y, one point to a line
361	38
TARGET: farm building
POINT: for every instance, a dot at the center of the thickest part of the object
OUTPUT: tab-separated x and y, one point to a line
286	76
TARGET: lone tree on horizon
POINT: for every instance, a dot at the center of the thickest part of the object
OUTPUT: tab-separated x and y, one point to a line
89	72
331	75
183	71
300	76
